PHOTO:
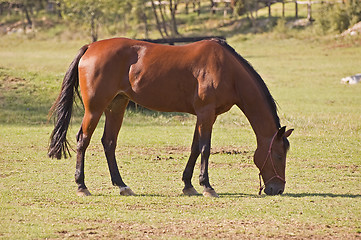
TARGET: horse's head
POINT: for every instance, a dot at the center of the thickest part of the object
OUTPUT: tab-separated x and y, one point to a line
270	158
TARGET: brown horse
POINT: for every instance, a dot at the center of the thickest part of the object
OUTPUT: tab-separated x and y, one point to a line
205	78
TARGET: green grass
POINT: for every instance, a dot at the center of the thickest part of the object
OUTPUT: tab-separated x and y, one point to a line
323	192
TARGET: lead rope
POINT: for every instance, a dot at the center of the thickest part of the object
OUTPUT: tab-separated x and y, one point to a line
260	184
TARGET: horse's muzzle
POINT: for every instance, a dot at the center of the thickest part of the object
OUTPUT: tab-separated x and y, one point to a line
275	188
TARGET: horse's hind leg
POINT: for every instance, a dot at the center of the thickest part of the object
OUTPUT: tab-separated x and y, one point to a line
87	128
188	171
113	121
205	120
201	146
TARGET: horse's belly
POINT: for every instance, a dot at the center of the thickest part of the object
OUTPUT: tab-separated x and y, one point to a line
162	98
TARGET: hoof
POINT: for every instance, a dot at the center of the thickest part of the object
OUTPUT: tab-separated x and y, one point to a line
210	193
83	192
190	191
126	191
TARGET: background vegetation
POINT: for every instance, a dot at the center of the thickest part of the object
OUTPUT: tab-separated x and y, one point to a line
302	65
152	18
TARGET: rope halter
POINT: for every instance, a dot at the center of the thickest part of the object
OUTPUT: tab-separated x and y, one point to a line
269	156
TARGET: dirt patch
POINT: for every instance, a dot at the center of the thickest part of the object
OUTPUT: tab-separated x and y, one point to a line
184	150
171	150
211	229
4	175
10	83
229	151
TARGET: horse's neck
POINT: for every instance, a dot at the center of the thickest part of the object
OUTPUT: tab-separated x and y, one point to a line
254	105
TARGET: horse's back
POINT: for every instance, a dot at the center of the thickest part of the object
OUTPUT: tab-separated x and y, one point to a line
160	77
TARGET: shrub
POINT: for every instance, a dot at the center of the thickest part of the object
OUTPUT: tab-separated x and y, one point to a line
338	17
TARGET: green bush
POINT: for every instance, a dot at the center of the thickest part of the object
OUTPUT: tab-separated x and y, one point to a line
337	17
340	19
281	26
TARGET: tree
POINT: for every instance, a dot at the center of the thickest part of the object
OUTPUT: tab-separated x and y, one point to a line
173	10
141	15
158	23
23	5
162	24
87	12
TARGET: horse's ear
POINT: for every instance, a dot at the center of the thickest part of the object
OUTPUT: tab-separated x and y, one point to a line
288	133
282	132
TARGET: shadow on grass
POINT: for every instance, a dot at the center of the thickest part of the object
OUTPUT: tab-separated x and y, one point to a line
146	195
301	195
134	108
292	195
237	195
243	195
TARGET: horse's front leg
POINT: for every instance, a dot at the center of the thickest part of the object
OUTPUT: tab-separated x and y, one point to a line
205	121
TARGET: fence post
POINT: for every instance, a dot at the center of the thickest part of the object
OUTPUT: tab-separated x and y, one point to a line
269	8
309	11
296	8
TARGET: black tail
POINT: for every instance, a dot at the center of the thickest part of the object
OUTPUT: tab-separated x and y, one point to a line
63	108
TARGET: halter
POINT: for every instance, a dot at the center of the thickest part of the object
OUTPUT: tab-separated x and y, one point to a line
269	156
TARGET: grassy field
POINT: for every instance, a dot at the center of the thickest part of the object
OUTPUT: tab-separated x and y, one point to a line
323	192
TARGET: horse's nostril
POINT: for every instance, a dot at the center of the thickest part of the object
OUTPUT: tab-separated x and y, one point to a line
280	191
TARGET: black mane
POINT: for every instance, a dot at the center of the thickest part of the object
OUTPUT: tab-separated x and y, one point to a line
261	83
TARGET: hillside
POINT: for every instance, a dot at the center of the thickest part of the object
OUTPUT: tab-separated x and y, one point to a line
143	21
